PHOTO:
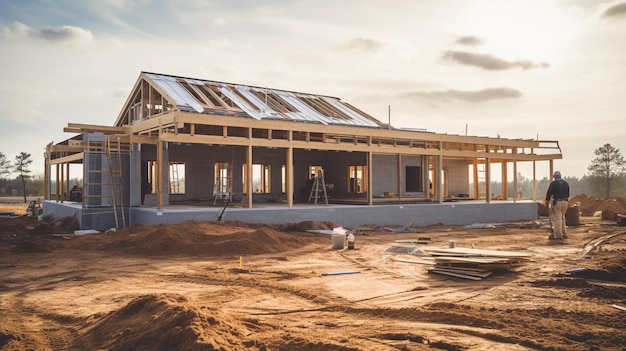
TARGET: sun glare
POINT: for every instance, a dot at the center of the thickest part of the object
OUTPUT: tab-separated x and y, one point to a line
522	30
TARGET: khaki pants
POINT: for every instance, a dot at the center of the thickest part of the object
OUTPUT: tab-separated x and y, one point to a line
557	216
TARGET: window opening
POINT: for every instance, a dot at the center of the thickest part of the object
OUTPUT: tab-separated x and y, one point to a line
413	177
283	179
260	178
222	179
357	179
314	171
151	177
176	181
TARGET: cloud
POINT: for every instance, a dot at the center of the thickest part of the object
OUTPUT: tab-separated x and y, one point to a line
65	35
469	41
366	44
489	62
615	10
217	22
466	95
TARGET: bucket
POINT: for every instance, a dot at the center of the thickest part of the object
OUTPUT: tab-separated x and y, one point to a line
339	241
572	215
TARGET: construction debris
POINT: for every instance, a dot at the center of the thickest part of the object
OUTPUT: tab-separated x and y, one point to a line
467	263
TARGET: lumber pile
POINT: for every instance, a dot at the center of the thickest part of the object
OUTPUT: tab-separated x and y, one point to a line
466	263
474	264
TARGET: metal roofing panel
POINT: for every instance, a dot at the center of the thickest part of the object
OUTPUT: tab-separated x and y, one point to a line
306	112
255	107
174	90
265	111
358	119
239	102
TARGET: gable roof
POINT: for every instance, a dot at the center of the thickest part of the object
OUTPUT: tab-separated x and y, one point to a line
162	93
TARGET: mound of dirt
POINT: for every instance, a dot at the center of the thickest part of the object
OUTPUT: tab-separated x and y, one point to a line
194	238
33	226
163	322
609	206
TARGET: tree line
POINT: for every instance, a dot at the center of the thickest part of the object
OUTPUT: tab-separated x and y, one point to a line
606	177
18	185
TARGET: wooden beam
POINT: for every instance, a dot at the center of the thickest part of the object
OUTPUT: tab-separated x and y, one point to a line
91	128
68	159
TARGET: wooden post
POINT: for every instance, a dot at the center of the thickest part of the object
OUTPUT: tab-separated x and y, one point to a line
515	185
399	191
534	180
158	174
249	175
289	175
58	183
370	197
505	181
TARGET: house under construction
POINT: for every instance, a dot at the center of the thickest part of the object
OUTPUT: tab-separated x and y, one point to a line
184	148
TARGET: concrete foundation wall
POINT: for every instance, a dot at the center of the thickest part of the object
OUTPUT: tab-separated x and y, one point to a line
448	213
462	213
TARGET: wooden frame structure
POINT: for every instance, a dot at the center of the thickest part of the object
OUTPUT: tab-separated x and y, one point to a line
167	113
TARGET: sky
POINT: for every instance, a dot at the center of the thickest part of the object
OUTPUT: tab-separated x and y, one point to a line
552	70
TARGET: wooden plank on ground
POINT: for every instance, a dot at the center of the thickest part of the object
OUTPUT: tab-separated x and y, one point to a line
473	274
470	251
464	276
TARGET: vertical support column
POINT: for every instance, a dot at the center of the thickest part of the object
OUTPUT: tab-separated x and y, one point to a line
249	175
159	175
476	180
515	185
534	180
399	190
63	181
289	174
68	186
46	176
437	177
370	197
488	179
505	181
58	183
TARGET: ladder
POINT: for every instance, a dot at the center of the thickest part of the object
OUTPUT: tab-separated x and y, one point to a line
319	188
221	189
174	181
103	182
114	152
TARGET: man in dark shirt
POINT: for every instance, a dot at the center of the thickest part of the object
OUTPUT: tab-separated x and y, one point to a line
557	199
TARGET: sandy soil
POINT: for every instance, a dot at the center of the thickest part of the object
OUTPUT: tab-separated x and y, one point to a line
235	286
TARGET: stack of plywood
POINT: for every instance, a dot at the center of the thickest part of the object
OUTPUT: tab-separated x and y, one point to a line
474	264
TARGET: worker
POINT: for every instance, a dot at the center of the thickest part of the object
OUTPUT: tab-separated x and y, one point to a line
557	198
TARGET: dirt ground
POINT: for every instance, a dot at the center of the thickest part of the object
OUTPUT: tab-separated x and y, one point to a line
236	286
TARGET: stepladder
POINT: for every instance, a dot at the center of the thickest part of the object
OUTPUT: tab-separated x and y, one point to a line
318	189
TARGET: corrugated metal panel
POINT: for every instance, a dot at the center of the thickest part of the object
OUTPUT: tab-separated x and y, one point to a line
265	111
358	119
239	102
260	109
175	91
306	113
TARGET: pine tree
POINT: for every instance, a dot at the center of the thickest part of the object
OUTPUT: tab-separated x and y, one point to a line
22	161
607	167
5	166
